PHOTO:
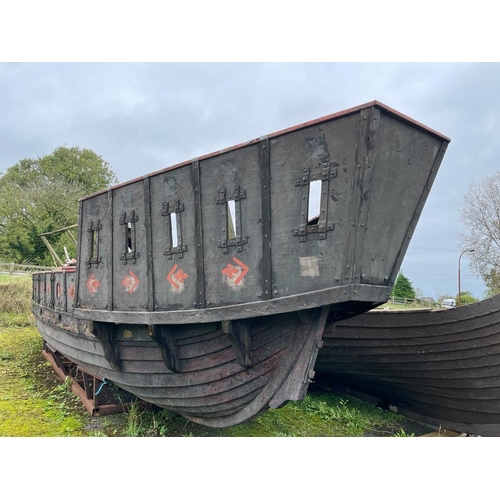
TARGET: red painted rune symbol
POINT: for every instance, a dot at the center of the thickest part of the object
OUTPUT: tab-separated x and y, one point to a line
230	271
236	274
58	290
130	282
71	291
93	284
178	278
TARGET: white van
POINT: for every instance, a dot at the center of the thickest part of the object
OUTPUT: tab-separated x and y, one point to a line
448	303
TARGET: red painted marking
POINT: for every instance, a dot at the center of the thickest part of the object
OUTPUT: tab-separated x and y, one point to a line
58	290
130	282
71	291
236	273
177	278
93	284
230	271
48	288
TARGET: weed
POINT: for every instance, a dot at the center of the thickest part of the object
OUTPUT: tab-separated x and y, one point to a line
5	356
402	433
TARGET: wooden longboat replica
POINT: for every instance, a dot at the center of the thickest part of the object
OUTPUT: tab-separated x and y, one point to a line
440	367
204	288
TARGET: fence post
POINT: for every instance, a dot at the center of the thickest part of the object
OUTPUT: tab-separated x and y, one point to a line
11	268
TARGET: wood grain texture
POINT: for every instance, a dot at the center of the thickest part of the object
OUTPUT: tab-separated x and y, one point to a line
440	367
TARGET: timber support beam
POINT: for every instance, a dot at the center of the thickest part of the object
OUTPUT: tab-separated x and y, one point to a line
163	335
239	334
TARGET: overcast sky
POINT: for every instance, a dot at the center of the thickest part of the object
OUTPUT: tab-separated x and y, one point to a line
146	116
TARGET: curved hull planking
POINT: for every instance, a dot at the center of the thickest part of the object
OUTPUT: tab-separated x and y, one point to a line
207	381
440	367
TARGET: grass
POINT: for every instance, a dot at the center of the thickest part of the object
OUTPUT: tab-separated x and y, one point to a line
15	300
33	402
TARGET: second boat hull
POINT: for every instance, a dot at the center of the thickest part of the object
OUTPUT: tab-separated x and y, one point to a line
439	367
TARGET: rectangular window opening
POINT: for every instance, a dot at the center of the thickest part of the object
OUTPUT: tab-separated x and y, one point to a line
232	228
93	248
314	203
129	237
173	230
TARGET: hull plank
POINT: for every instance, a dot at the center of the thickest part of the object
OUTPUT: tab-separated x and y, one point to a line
440	367
205	287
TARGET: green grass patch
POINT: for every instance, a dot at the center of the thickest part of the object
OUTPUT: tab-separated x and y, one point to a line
32	402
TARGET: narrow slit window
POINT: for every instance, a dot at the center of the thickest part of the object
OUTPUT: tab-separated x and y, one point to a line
232	228
173	230
93	244
314	203
129	237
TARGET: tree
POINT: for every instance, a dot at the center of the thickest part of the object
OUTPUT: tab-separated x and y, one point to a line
492	282
39	196
465	298
403	288
480	214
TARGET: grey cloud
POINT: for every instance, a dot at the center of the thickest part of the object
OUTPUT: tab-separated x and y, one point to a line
143	117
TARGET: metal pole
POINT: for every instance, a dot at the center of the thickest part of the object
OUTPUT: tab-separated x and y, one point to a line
458	297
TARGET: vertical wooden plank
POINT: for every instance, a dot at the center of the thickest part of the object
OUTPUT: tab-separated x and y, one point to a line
355	199
364	181
198	235
80	258
149	244
65	291
265	180
109	260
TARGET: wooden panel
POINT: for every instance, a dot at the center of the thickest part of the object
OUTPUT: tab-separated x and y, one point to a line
175	269
130	249
400	170
94	244
46	289
303	266
70	291
59	285
233	272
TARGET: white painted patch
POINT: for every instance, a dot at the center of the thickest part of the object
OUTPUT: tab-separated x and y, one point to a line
309	266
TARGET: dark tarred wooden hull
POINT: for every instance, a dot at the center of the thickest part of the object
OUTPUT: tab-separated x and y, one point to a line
219	320
210	386
440	367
